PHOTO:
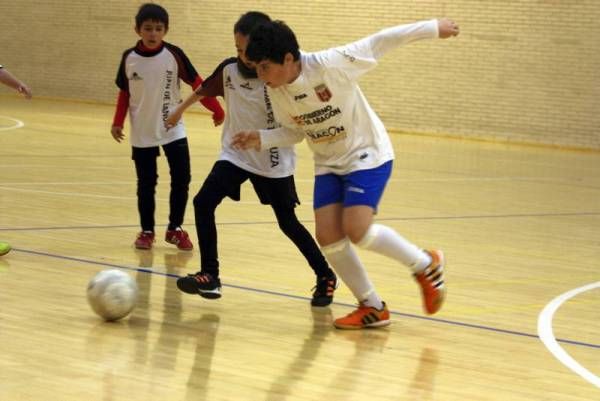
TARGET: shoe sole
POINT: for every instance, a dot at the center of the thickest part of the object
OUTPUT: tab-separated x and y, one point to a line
190	288
180	248
209	294
375	325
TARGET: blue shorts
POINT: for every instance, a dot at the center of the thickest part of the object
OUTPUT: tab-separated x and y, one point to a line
362	187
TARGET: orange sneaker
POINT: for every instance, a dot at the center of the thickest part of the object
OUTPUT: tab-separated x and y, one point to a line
364	317
432	282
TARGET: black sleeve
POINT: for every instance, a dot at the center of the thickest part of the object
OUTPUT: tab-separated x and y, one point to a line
122	81
186	71
213	85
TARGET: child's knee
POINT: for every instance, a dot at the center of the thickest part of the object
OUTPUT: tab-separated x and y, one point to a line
369	235
356	232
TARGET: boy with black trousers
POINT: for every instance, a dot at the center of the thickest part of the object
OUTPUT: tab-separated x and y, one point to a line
270	171
149	81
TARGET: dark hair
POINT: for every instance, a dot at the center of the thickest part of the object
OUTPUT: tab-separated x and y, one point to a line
249	21
151	12
272	41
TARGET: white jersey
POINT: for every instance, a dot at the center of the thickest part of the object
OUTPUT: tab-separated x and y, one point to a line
152	79
249	108
326	106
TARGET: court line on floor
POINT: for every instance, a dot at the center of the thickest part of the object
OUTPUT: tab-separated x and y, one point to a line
280	294
18	124
310	221
546	333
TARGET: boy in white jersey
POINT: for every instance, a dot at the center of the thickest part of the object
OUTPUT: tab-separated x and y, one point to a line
149	78
270	171
317	96
11	81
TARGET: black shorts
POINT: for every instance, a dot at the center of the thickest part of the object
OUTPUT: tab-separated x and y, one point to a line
271	191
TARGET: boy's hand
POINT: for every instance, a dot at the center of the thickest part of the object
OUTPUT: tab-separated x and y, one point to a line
24	89
117	133
172	119
246	140
447	28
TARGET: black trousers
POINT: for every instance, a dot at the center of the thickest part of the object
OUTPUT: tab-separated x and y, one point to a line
178	157
225	180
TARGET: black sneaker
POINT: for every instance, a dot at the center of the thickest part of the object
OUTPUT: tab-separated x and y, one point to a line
200	283
323	291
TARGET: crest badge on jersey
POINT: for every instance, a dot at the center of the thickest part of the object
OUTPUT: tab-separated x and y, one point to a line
323	92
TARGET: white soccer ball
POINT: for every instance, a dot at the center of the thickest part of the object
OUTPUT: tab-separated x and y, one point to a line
112	294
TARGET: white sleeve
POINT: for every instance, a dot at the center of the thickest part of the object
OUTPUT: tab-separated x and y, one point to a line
357	58
390	38
282	136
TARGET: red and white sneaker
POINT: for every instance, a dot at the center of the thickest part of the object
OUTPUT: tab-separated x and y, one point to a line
144	240
180	238
432	284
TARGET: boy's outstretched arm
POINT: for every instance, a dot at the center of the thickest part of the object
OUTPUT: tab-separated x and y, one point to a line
10	80
176	114
246	140
211	103
387	39
266	138
447	28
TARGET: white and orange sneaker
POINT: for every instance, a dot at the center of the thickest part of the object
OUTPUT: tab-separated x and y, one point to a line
364	317
432	284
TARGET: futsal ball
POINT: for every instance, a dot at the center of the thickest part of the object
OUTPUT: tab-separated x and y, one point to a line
112	294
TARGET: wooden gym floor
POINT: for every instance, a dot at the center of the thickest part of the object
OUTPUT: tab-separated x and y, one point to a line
520	227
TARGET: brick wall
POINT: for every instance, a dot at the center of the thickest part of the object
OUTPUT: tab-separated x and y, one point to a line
522	70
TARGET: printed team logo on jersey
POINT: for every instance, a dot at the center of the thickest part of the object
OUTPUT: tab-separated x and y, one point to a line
228	83
135	77
300	97
317	116
327	135
246	85
323	92
348	56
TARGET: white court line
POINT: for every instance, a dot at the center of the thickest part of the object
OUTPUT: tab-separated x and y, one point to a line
547	335
18	124
83	195
68	194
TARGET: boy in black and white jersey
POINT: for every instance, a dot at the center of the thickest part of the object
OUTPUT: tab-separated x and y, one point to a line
270	171
315	96
149	81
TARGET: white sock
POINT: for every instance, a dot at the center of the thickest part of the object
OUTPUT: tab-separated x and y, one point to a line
343	258
386	241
